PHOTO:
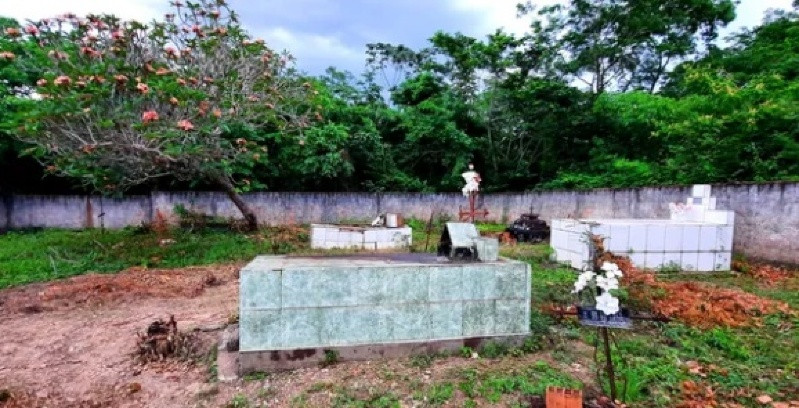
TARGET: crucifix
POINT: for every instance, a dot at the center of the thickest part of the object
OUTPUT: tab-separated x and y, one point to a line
471	190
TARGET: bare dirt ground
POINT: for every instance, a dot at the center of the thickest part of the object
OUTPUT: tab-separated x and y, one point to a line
70	343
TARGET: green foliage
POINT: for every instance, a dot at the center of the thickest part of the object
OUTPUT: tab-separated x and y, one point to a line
331	358
425	360
438	394
148	107
624	45
347	399
554	285
727	342
531	380
213	368
539	326
27	257
256	376
416	117
494	349
238	401
644	368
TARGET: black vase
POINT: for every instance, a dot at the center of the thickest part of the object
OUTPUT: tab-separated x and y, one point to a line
591	316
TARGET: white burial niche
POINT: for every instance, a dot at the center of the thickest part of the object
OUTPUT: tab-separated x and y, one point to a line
697	237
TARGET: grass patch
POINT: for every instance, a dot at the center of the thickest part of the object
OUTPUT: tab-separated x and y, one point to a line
238	401
256	376
27	257
653	360
44	255
348	398
492	386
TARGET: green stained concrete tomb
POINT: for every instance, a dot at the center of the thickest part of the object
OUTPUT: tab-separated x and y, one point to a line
300	302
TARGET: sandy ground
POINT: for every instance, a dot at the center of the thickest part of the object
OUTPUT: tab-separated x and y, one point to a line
70	344
55	352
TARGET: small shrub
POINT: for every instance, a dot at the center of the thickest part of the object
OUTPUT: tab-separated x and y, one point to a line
539	324
468	388
532	345
331	358
233	318
345	398
213	369
466	352
422	360
494	350
440	393
671	267
727	342
256	376
238	401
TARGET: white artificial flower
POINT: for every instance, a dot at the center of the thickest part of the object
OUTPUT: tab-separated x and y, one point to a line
607	283
607	303
582	281
611	270
609	267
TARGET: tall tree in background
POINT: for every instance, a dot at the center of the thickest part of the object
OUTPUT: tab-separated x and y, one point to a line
416	117
624	44
123	103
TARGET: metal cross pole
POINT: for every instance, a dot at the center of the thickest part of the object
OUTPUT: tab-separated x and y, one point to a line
469	215
428	230
609	364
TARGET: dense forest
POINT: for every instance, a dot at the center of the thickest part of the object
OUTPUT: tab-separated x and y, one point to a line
599	93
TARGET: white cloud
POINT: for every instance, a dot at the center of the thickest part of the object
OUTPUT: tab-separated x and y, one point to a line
313	50
750	12
330	32
493	14
320	45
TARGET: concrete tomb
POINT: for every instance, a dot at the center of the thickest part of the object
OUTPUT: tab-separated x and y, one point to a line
697	237
297	311
325	236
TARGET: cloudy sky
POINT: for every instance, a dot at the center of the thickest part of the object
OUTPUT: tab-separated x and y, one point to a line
321	33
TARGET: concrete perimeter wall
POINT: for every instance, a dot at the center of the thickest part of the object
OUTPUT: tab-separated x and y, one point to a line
766	221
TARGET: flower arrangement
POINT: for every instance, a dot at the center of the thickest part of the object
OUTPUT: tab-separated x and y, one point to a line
598	285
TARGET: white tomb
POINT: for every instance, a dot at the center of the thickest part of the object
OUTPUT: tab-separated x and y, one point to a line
697	237
357	237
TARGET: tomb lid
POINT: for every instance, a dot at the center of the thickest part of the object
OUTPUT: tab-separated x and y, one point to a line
461	234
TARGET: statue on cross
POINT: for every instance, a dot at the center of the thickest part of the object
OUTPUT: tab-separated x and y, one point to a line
471	190
472	179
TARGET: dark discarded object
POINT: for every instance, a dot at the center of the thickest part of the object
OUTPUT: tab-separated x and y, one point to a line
528	228
457	241
163	340
591	316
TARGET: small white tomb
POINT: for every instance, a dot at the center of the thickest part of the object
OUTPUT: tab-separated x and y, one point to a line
697	237
356	237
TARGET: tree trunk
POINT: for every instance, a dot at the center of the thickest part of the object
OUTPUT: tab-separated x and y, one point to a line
230	190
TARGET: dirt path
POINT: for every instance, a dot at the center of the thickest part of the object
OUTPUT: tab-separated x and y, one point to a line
69	344
79	355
